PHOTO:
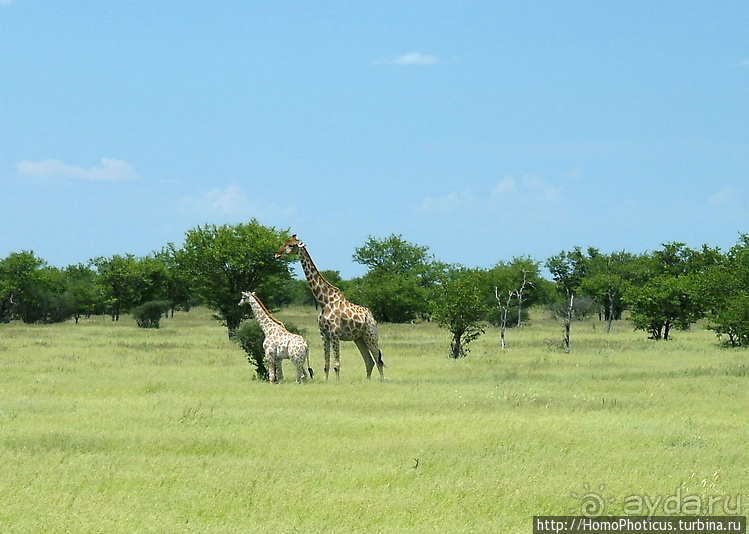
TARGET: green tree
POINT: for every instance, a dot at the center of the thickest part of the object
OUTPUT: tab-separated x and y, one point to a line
37	293
607	278
121	282
521	281
460	306
724	286
27	285
52	302
400	278
569	270
176	286
81	287
19	283
671	297
222	261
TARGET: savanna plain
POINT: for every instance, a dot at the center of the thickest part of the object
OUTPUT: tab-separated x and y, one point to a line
106	427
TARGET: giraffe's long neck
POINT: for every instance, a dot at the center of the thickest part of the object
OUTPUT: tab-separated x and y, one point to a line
266	321
322	290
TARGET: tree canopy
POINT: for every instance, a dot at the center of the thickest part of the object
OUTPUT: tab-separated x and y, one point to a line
661	291
222	261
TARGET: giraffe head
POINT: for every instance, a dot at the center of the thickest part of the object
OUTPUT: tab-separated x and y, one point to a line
246	296
290	247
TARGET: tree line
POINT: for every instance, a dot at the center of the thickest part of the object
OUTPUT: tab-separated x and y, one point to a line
664	290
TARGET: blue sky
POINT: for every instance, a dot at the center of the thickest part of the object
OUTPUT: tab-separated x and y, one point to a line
483	130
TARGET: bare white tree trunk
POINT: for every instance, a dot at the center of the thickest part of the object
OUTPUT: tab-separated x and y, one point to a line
503	310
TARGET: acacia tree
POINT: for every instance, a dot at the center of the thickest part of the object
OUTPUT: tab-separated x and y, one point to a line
519	279
176	287
568	270
400	279
81	286
606	280
725	288
222	261
460	307
120	281
32	290
671	297
20	284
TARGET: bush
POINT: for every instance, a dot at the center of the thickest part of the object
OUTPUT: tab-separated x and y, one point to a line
149	314
49	308
250	337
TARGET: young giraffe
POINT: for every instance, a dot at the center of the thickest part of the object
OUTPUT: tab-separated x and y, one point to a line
279	344
339	319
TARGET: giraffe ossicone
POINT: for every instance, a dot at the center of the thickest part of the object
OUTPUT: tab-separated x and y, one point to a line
339	319
279	343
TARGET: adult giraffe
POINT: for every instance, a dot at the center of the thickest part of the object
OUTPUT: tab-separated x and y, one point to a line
339	319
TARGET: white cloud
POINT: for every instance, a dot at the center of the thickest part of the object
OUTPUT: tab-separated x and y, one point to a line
529	188
728	195
229	203
505	185
110	170
536	188
410	59
528	192
455	201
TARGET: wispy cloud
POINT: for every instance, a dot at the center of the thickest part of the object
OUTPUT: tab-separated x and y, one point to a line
226	203
111	170
728	195
508	193
407	60
744	62
455	201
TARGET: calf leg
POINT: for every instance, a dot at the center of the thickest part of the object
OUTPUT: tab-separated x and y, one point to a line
270	365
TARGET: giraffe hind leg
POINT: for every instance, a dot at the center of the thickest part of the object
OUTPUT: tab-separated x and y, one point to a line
299	361
326	350
301	375
336	357
366	355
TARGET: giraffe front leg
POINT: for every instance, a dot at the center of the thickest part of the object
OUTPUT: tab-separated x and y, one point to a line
326	350
270	365
336	356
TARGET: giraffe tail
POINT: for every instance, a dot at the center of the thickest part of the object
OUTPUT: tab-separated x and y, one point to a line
309	367
379	358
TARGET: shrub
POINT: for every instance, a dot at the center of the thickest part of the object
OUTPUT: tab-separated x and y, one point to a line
149	314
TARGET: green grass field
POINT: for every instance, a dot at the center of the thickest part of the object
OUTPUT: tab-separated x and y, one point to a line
105	427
